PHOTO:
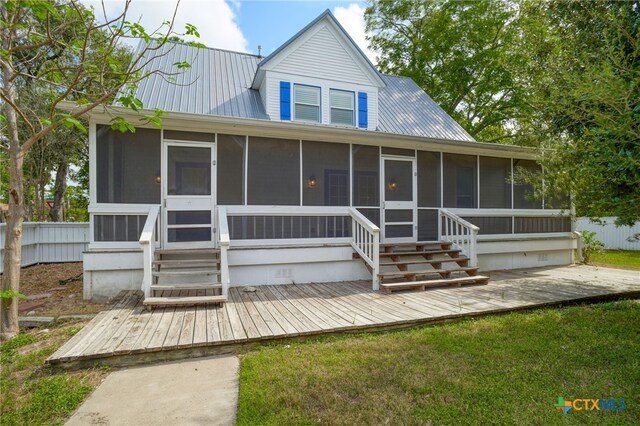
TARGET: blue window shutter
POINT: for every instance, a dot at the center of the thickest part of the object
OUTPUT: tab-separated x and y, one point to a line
363	119
285	100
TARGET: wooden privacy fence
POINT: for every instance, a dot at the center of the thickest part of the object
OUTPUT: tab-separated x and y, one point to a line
613	237
48	242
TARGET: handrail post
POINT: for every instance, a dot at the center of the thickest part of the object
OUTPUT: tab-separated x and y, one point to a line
224	241
147	242
376	262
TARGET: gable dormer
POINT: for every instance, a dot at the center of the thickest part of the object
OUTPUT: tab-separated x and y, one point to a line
320	76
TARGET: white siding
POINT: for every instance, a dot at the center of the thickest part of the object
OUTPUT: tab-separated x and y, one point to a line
323	56
272	104
613	237
50	242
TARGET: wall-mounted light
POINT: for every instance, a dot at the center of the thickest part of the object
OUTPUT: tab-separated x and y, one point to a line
392	185
312	181
157	178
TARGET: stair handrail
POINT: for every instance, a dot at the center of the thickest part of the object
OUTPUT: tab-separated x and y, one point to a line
224	241
147	242
365	240
461	233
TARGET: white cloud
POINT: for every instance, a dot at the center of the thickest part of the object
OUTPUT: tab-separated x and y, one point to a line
216	20
352	19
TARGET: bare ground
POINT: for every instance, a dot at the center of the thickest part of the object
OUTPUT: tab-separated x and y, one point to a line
54	289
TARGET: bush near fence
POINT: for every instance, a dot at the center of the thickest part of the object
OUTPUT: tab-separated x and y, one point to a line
613	237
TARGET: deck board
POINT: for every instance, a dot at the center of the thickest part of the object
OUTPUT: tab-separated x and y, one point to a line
126	330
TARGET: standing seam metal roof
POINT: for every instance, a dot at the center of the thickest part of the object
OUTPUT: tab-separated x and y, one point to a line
219	83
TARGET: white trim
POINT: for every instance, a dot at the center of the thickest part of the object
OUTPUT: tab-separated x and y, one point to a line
287	210
301	178
277	242
510	212
399	205
93	163
525	236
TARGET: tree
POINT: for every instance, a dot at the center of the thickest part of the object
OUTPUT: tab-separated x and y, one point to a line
55	45
588	103
461	53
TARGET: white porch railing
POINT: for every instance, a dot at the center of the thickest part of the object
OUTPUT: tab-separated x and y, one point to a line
463	234
224	242
365	240
148	244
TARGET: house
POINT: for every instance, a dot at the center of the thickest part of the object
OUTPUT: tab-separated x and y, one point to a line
307	165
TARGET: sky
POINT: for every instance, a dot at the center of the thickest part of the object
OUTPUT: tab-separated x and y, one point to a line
242	25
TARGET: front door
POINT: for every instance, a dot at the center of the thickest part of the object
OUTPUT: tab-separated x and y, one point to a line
399	196
188	194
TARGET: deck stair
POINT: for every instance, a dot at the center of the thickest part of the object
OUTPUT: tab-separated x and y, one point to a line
186	278
406	266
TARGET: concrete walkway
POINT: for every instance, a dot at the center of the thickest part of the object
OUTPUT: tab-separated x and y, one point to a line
192	392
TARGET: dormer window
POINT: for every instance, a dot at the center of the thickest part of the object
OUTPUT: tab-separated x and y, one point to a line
306	101
342	107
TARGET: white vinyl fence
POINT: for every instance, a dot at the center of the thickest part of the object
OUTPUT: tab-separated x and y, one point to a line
47	242
613	237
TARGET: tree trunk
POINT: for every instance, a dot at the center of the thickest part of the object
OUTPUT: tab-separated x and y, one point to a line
59	189
15	216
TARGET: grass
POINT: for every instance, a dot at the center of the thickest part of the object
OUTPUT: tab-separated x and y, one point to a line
31	392
626	259
507	369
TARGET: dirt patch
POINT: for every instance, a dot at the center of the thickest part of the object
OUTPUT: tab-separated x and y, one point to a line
55	289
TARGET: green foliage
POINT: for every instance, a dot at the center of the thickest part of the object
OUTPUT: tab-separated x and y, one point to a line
461	53
590	245
562	76
9	294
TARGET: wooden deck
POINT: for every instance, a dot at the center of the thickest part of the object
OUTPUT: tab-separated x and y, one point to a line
128	334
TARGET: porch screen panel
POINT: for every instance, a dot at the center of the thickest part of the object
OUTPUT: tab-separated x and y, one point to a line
522	193
325	174
428	225
230	169
366	176
179	135
127	166
495	183
492	225
460	181
428	179
118	227
273	172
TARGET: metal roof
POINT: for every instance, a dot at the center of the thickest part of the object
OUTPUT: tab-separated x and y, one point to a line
404	108
218	83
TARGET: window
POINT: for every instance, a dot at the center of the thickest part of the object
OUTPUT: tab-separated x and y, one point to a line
428	179
523	193
307	103
128	166
325	174
342	107
273	175
230	167
460	181
495	183
366	176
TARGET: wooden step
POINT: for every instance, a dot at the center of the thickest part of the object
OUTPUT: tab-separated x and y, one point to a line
469	270
444	245
478	279
419	253
187	251
183	272
183	301
186	286
186	263
425	261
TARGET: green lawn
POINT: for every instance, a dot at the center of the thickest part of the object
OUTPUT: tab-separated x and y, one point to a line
626	259
507	369
33	394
